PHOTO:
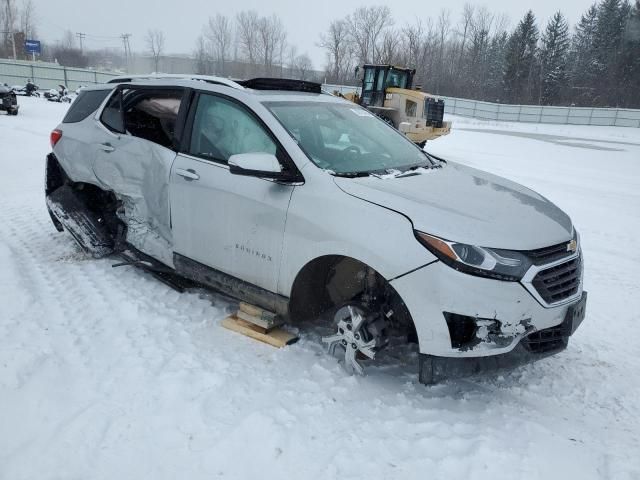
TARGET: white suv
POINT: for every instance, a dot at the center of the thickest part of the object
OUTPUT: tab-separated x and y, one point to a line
310	206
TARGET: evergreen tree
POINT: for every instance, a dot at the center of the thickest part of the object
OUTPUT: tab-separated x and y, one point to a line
495	67
630	59
553	59
610	22
520	61
583	69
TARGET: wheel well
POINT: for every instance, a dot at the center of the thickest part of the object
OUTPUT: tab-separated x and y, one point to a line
331	280
101	202
55	176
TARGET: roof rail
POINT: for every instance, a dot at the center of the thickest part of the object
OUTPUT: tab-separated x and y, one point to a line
281	84
177	76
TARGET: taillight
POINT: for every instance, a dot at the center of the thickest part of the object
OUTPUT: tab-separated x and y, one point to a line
55	137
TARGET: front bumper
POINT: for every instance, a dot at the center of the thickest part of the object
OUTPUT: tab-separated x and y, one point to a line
505	312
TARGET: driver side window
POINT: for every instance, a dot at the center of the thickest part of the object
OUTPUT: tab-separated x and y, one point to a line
222	128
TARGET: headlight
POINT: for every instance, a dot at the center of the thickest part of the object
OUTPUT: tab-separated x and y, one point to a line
507	265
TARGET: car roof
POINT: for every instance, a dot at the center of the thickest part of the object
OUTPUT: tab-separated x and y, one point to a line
210	83
176	76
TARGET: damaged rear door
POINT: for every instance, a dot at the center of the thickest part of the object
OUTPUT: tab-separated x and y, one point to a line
133	158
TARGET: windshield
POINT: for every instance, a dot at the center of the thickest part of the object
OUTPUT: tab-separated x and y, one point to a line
397	79
347	138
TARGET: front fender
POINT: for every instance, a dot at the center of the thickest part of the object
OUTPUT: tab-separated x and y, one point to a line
323	220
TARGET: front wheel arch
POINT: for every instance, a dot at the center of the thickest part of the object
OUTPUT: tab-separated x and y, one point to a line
330	280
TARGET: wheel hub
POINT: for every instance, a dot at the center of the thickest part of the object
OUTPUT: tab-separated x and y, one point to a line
358	333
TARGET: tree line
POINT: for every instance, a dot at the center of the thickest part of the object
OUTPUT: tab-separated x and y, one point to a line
477	56
247	45
597	63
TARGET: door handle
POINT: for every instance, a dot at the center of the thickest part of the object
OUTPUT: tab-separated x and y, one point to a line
107	147
188	174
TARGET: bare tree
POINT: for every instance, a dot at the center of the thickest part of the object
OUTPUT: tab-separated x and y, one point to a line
463	32
390	47
219	32
271	37
292	53
155	44
302	66
202	57
443	28
413	39
337	42
28	19
68	40
366	25
247	35
9	15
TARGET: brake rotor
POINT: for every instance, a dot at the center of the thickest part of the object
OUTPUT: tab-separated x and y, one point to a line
358	334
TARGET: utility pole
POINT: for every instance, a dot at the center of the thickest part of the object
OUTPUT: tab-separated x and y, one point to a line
81	37
127	48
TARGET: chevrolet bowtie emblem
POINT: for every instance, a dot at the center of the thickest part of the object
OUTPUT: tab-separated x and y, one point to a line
572	246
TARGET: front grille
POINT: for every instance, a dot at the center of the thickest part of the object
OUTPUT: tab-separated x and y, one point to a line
433	112
547	340
545	255
560	282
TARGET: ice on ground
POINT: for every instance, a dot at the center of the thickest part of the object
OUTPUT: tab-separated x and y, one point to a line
107	373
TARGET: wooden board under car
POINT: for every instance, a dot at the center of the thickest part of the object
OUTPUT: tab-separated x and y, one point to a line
276	337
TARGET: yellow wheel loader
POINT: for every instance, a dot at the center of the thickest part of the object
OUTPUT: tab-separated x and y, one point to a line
387	91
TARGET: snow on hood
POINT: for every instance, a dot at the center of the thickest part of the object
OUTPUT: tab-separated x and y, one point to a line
466	205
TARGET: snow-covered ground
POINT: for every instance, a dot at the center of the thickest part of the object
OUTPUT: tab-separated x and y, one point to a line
108	374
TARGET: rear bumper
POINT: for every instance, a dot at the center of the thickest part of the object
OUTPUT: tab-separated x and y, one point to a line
500	314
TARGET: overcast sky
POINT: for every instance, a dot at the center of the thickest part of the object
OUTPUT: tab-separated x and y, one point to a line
182	20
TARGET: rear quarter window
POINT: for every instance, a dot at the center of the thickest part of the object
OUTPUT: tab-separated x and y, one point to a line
83	106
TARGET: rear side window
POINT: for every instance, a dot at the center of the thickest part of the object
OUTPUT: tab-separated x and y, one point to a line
83	106
152	115
144	113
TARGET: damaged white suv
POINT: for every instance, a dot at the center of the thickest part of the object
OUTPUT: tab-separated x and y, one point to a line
311	207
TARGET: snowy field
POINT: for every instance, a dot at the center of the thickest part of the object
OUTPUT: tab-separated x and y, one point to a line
108	374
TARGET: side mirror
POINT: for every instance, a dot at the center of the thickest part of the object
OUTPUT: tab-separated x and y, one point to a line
256	164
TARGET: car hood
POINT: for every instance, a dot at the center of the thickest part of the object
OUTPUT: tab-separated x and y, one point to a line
466	205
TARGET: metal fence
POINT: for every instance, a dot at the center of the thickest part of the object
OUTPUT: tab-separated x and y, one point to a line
49	75
618	117
614	117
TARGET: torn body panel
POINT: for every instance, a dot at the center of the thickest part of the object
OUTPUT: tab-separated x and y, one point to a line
90	228
470	332
485	316
139	176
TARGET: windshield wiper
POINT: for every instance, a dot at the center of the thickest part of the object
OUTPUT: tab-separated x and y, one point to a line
351	174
